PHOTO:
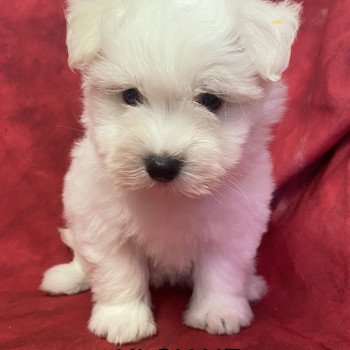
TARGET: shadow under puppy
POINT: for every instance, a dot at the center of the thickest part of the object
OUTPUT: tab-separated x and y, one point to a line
172	180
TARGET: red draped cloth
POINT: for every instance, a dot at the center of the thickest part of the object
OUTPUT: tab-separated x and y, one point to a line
305	255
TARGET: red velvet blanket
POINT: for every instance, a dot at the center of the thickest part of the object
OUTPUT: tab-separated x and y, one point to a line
305	256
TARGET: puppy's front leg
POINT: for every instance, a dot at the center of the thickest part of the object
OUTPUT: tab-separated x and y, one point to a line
119	284
219	303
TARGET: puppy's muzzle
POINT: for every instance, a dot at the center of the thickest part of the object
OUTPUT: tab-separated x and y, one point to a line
163	168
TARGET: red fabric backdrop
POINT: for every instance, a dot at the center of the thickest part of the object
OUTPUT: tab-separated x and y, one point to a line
305	256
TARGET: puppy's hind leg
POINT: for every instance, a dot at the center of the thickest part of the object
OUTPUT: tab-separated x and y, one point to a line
65	278
66	237
257	288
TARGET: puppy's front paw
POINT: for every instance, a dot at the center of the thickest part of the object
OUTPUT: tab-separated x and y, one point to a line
220	315
122	323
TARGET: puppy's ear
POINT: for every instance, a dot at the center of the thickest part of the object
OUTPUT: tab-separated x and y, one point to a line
267	31
84	21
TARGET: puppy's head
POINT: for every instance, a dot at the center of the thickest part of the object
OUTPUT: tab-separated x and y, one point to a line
172	86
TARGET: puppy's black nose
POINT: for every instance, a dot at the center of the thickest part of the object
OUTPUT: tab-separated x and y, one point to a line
163	169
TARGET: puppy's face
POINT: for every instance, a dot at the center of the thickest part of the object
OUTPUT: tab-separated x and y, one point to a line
171	93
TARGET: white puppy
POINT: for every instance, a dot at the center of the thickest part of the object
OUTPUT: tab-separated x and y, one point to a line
172	180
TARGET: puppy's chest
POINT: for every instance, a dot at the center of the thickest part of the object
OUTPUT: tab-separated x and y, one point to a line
169	235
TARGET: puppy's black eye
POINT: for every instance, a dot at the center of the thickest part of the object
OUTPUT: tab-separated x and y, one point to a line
209	101
132	97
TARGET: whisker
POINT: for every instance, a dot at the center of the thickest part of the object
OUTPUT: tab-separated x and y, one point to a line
68	127
240	192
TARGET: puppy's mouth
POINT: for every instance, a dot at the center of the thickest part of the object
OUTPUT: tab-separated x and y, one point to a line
166	174
163	168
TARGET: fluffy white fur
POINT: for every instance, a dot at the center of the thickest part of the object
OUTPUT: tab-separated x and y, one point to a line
204	227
